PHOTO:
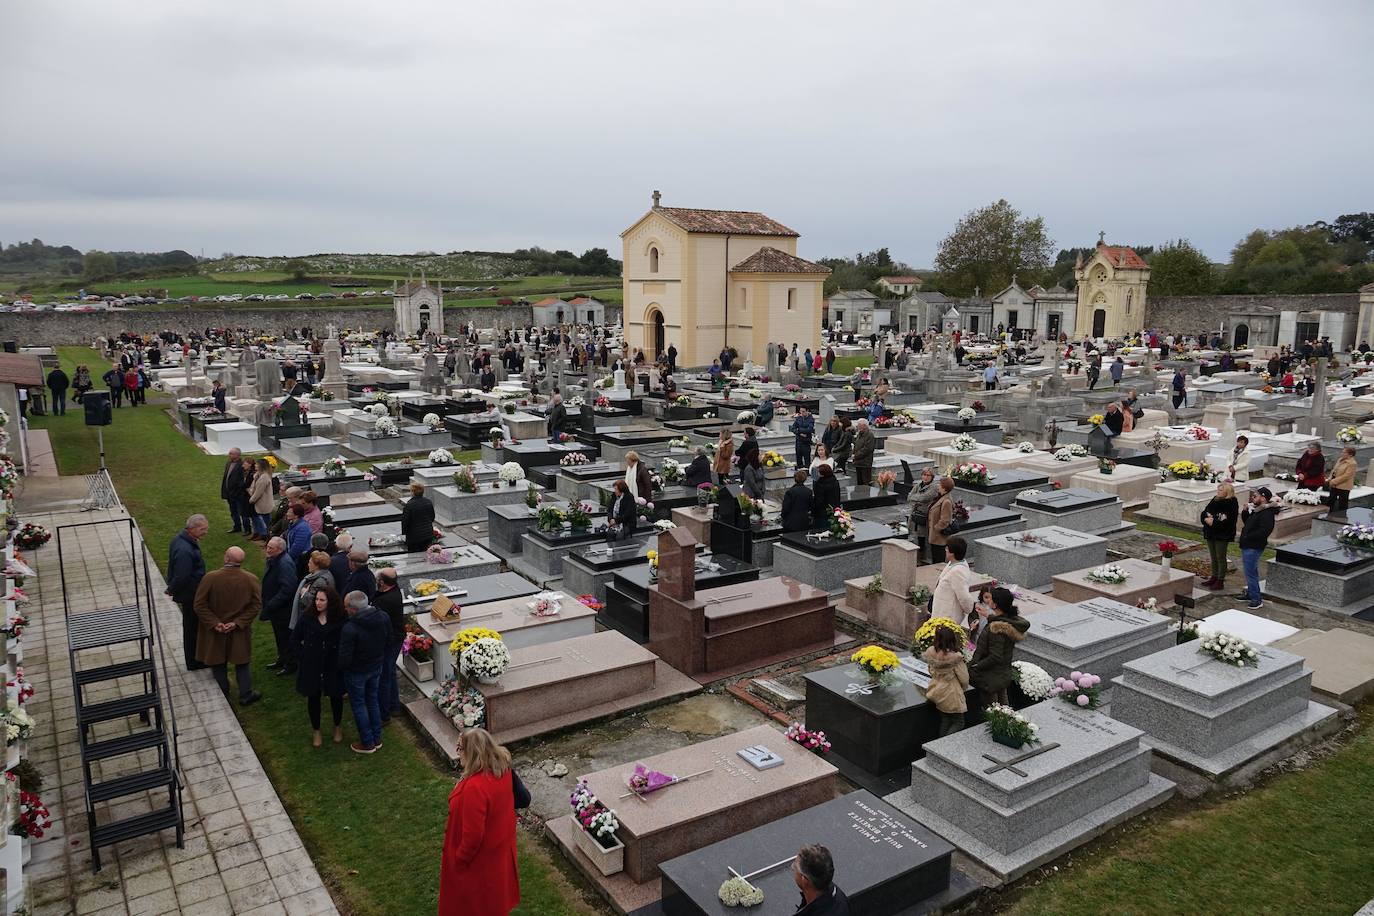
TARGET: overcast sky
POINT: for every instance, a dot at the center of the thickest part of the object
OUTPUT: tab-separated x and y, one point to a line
292	127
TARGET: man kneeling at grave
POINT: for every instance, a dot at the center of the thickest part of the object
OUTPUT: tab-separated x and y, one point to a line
814	872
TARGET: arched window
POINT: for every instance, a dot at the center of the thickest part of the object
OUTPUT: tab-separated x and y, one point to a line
653	260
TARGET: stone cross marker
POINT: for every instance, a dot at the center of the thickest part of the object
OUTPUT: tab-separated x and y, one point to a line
677	557
1010	764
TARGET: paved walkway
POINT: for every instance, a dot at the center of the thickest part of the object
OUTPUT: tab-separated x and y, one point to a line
242	853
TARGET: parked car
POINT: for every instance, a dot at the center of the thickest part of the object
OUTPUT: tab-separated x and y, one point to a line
304	296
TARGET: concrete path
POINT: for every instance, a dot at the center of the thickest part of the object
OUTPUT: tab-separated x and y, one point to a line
242	853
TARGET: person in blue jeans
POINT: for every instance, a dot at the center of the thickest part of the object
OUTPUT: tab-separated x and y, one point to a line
362	651
1257	523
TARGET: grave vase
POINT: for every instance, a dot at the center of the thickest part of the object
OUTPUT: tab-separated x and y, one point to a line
607	861
420	670
1167	563
488	680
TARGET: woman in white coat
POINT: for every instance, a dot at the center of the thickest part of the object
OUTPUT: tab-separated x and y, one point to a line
952	597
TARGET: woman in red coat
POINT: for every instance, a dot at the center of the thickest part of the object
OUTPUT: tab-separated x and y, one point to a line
477	874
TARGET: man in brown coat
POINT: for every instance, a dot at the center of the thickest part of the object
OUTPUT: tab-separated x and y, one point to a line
227	602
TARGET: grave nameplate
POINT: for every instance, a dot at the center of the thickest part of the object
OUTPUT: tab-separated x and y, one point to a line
1098	635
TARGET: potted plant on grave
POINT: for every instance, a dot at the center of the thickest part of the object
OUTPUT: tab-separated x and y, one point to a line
595	835
465	480
1105	465
707	494
579	516
1008	727
876	662
885	481
652	557
671	471
925	634
417	652
1079	688
485	660
550	518
918	596
511	473
335	467
1033	681
532	497
496	437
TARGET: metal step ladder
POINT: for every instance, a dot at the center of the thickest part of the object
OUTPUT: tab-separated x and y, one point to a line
126	721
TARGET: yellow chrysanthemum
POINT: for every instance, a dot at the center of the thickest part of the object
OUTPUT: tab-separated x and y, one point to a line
469	636
1096	419
925	634
875	659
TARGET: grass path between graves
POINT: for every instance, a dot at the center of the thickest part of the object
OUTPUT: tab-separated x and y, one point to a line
373	825
1301	843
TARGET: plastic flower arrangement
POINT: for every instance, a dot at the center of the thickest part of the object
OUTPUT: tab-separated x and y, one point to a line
595	818
925	633
1025	446
469	635
1034	681
1303	498
1009	727
841	524
1167	548
486	658
385	426
465	706
1199	433
1229	649
572	459
335	467
441	456
771	459
1357	536
1079	688
1349	435
464	479
31	536
967	413
972	472
964	442
812	741
433	421
875	660
511	473
18	724
32	817
1111	574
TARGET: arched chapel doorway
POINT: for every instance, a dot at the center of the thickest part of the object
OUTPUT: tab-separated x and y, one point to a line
1242	337
1099	323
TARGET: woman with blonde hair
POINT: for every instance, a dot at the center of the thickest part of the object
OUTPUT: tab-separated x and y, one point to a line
1219	530
477	872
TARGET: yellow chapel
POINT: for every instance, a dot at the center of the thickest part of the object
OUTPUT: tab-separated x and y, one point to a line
1111	291
703	280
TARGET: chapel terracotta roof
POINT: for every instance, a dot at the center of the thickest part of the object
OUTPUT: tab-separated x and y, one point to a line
1114	254
902	279
772	261
20	369
550	301
733	222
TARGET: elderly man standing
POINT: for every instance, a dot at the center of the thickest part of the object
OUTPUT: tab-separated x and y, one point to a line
338	561
360	577
864	445
232	489
389	602
226	603
558	415
279	583
185	569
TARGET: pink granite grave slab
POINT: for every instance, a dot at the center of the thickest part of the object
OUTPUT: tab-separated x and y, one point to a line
1146	580
729	797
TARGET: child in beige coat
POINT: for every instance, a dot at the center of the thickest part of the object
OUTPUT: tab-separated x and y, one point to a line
948	680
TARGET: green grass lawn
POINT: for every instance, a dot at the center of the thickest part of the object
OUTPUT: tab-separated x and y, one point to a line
373	825
1296	845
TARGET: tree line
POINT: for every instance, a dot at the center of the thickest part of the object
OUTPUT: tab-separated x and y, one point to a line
992	244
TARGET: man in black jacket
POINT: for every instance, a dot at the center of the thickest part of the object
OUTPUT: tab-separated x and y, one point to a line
279	582
114	380
417	519
58	383
338	561
1257	524
796	504
750	445
362	647
360	576
231	490
185	569
388	601
813	871
558	415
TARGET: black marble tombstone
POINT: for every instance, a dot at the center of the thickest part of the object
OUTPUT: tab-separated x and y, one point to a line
885	862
